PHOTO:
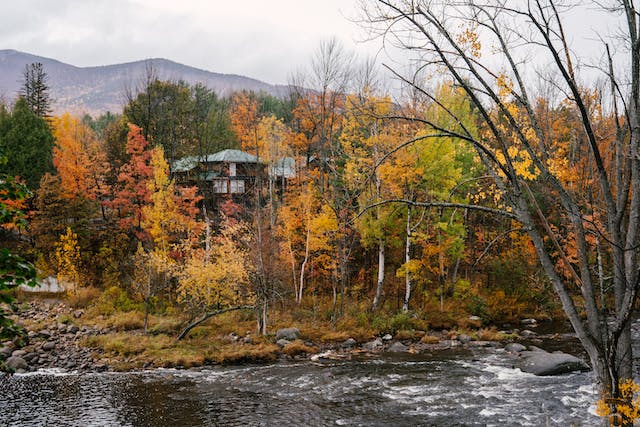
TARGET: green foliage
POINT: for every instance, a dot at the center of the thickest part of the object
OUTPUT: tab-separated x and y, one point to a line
27	142
115	299
14	270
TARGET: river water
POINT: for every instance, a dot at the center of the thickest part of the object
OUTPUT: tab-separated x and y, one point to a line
465	387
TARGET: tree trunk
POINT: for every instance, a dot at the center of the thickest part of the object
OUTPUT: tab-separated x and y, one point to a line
303	268
209	315
407	258
376	298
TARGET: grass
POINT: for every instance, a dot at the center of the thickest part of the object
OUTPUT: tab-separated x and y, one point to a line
298	347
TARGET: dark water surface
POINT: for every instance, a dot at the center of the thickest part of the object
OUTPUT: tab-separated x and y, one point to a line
463	388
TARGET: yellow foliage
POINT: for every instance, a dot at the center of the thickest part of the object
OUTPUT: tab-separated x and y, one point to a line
220	278
67	254
627	406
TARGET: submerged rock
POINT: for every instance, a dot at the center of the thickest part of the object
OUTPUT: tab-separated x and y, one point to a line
514	347
543	363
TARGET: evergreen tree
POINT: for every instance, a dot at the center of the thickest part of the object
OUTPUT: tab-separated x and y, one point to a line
35	90
27	143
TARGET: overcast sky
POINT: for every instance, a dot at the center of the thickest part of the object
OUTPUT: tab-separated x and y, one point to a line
264	39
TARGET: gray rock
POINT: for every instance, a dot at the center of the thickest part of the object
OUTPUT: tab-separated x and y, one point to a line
282	342
49	345
529	322
45	333
288	334
373	345
527	333
464	338
72	329
30	357
350	343
247	340
6	352
387	337
18	353
9	344
398	347
78	314
514	347
543	363
483	344
475	319
15	363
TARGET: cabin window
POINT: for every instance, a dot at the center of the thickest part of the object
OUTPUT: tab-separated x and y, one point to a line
236	186
220	186
232	169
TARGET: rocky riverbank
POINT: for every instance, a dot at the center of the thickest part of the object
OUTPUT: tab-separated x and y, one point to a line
58	337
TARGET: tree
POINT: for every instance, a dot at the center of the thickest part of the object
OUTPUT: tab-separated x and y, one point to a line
14	270
519	152
216	279
163	111
132	190
79	159
27	142
35	89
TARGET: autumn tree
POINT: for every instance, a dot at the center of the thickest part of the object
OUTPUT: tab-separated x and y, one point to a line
168	224
132	191
216	279
518	152
319	116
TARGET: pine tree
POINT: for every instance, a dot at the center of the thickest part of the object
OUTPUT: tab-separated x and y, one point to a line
35	89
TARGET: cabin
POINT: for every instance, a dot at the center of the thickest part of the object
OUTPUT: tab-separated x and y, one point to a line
232	172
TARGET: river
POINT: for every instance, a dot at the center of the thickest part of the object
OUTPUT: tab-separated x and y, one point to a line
462	387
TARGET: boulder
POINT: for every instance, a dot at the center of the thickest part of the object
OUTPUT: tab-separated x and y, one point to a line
528	334
16	363
398	347
48	346
290	334
387	337
6	352
373	345
45	333
18	353
464	338
529	322
514	347
350	343
543	363
283	343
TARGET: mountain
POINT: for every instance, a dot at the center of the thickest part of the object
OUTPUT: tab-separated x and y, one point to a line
95	90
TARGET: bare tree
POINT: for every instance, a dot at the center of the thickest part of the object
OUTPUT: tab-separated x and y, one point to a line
486	48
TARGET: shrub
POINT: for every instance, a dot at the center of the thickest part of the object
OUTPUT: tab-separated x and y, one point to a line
83	297
115	299
298	347
127	321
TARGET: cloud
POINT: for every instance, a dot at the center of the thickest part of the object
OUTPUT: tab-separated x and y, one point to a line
262	39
